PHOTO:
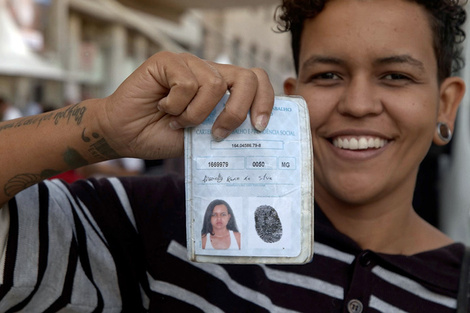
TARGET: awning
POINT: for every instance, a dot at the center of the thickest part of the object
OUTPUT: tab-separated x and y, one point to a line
28	66
172	9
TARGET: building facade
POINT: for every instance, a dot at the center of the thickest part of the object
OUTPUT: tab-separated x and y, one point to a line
248	37
91	46
86	48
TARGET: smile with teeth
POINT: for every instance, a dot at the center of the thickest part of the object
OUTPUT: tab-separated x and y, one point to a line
359	143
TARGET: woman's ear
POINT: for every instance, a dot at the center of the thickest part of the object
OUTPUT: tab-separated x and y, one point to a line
290	86
452	91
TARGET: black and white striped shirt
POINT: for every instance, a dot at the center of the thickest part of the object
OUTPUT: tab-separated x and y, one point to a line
118	245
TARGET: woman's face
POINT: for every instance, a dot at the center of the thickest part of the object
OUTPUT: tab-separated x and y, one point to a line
369	75
220	217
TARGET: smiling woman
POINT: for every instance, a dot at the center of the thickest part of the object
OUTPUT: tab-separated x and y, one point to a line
376	76
370	81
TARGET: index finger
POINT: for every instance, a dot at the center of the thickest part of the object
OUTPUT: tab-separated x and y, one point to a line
250	90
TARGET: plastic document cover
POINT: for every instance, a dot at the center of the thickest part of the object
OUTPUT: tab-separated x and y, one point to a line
249	198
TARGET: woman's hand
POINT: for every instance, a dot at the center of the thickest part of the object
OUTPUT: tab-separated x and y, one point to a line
146	115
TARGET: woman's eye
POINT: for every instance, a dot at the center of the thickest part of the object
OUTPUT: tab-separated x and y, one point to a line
324	79
221	214
327	75
396	76
397	80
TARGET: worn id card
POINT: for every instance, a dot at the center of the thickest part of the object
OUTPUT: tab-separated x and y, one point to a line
249	198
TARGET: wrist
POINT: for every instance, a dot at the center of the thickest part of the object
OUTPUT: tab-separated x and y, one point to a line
95	135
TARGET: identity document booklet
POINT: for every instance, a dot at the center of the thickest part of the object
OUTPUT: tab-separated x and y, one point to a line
249	198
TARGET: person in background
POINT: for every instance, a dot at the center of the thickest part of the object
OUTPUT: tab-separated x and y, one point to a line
7	111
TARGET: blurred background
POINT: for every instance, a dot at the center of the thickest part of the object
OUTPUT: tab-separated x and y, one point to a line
54	52
57	52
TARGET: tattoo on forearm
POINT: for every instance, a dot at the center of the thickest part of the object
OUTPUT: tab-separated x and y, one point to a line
99	147
74	159
34	120
72	113
23	181
88	139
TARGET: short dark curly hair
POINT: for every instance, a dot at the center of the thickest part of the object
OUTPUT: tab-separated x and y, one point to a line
446	19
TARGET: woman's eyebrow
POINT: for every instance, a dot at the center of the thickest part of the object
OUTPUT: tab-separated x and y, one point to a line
401	59
321	59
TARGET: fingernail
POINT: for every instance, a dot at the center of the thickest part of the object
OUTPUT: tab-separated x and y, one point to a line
175	125
261	122
220	134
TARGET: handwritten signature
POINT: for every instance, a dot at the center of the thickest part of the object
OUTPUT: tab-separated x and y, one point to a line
229	179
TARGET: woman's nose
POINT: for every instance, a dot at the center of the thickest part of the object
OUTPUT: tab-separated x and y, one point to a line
360	98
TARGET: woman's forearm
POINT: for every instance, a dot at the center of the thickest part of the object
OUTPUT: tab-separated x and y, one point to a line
37	147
